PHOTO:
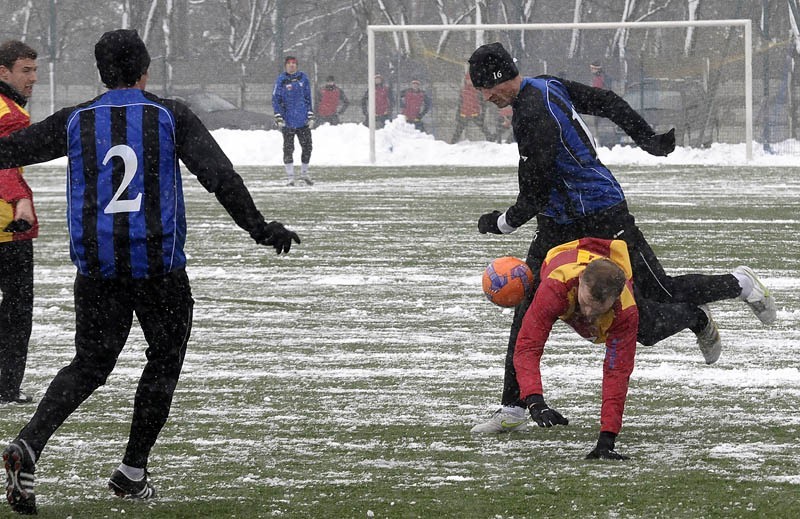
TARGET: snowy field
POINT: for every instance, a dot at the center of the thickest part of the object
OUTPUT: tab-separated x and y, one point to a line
344	378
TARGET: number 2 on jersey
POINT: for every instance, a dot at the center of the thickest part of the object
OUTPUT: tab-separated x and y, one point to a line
128	157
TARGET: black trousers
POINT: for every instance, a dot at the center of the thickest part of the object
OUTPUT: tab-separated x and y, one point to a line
304	136
16	313
667	304
104	312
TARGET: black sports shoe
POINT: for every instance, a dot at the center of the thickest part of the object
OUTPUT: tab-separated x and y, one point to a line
19	478
308	181
123	486
19	398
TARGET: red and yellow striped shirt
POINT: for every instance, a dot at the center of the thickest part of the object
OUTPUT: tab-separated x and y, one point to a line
13	187
556	298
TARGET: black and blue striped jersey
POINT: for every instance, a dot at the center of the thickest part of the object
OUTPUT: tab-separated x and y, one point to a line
125	206
560	175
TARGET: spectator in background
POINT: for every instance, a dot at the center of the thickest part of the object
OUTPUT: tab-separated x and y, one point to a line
384	99
504	124
414	104
18	225
470	110
331	102
291	101
599	77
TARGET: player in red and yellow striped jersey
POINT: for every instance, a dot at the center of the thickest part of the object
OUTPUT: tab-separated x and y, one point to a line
587	284
18	224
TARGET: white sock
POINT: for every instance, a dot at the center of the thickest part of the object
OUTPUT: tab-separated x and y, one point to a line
515	410
289	171
746	283
304	170
132	473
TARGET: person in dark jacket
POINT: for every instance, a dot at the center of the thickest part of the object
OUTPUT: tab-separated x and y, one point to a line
331	102
572	195
294	115
127	224
414	104
18	225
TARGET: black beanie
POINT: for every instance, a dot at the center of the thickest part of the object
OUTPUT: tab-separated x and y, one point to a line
491	65
121	57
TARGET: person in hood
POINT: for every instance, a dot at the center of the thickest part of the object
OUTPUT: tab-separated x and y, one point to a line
331	102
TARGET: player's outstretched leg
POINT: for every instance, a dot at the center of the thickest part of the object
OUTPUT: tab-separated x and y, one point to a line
20	467
708	340
505	419
756	295
123	486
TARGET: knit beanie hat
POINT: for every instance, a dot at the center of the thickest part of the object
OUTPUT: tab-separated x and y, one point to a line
491	65
121	57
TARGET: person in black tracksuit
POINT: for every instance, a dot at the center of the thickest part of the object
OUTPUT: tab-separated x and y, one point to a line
573	195
125	212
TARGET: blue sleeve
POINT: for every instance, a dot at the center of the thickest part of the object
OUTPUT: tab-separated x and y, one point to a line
277	96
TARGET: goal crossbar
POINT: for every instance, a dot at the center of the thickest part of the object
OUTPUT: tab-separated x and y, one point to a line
746	24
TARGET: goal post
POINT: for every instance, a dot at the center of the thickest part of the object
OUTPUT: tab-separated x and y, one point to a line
642	98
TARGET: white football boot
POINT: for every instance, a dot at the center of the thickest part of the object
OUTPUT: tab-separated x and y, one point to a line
708	340
756	295
505	419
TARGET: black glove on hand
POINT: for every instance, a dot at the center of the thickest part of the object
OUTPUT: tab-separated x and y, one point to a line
542	414
605	448
659	145
488	223
276	235
18	225
312	121
279	122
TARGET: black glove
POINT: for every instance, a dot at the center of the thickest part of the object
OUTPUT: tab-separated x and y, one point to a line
279	122
605	448
488	223
311	120
542	414
659	145
18	225
276	235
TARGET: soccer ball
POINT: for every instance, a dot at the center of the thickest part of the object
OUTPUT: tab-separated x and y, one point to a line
506	281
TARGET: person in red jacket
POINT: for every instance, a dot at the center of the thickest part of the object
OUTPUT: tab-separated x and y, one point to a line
384	100
331	102
470	110
18	225
587	284
414	104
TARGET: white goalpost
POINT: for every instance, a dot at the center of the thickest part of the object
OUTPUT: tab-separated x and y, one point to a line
747	72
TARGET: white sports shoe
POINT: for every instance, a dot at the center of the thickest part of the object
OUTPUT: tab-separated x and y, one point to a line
759	299
505	419
708	340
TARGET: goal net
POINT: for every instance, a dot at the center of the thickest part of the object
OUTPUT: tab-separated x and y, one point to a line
693	76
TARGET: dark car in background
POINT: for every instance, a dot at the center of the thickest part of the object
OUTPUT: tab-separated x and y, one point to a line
675	103
217	112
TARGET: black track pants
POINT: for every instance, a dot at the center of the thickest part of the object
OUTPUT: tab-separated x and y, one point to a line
16	313
104	311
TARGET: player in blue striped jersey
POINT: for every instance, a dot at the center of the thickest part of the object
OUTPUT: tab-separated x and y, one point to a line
572	195
127	228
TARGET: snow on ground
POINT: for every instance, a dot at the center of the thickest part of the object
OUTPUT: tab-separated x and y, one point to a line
399	144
